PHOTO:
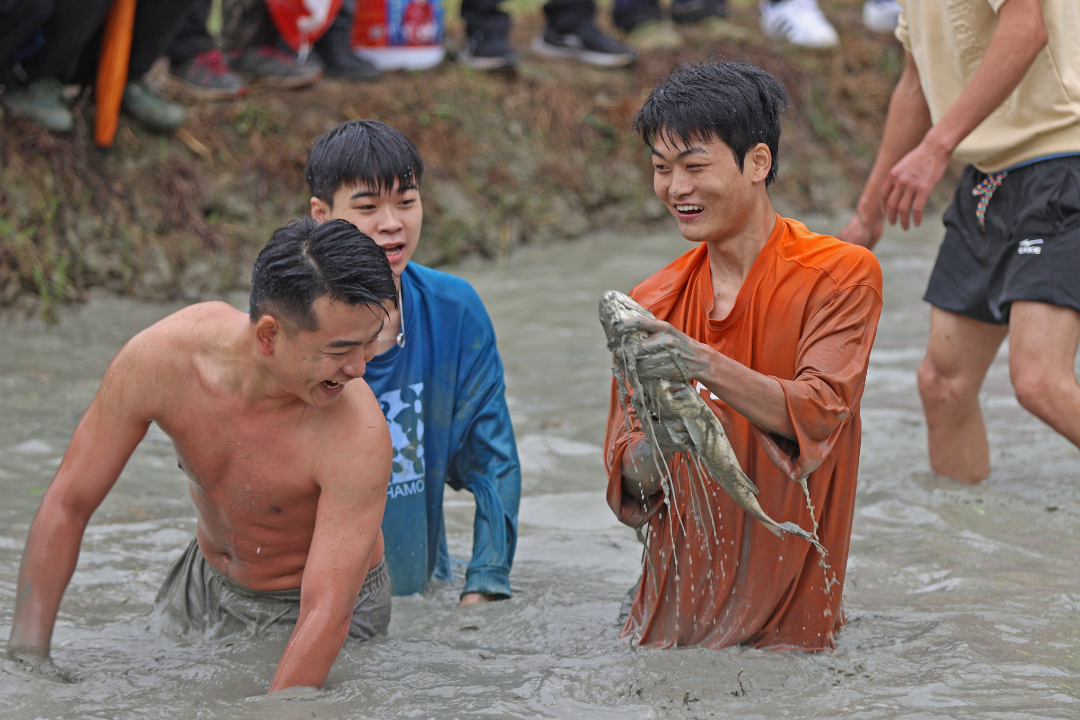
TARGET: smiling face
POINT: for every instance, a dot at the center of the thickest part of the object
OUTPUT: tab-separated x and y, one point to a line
702	186
392	218
314	365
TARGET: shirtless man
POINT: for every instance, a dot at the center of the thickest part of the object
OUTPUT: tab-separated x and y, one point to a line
288	459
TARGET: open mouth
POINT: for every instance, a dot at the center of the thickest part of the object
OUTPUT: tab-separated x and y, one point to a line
331	385
689	209
394	252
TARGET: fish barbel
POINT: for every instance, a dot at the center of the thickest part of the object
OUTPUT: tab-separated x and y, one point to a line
684	415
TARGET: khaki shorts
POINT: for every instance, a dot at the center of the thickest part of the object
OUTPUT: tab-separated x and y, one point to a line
198	597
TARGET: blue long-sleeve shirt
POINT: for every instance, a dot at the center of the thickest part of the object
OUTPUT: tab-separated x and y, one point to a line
444	398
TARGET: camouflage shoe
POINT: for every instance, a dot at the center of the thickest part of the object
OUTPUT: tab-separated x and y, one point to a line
152	110
42	101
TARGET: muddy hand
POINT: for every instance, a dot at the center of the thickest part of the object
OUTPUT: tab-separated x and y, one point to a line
672	437
668	354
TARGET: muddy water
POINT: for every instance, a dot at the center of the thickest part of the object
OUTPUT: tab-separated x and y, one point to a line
963	602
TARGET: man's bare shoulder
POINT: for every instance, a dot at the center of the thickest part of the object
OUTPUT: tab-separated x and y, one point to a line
170	354
195	327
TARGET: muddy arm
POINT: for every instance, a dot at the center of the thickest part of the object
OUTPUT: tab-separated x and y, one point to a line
668	354
106	436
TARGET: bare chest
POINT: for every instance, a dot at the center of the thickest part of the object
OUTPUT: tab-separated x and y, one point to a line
246	464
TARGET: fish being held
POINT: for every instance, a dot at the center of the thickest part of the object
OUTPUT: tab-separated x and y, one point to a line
682	414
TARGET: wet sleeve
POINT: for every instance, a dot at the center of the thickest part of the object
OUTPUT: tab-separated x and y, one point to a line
831	360
485	462
622	428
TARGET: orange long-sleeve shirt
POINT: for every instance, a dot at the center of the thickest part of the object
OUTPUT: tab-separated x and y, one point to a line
712	576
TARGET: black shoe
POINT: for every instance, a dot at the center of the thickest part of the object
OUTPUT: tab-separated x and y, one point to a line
488	52
274	67
586	44
338	59
689	12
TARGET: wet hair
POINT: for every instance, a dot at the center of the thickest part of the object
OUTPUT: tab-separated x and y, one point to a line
305	261
364	152
735	102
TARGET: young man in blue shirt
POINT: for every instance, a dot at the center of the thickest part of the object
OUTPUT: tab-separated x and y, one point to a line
437	374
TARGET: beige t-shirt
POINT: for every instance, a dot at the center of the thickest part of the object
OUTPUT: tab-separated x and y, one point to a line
1042	115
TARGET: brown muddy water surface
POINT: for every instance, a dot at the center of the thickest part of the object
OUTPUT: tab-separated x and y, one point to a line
962	602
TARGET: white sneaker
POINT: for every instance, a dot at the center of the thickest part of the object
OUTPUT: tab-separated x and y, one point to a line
800	22
880	15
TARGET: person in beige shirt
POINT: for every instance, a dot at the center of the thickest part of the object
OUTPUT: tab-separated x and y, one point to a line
996	84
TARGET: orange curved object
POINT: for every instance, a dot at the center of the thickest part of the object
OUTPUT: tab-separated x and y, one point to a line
113	70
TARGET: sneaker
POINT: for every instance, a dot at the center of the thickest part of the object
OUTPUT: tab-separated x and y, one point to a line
880	15
654	35
689	12
207	76
42	101
488	52
586	44
800	22
276	68
338	59
152	110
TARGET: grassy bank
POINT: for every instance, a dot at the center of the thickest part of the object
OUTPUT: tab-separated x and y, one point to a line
542	155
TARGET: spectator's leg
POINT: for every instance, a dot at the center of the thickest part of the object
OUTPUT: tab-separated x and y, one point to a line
156	24
197	66
20	20
629	14
566	16
71	27
191	37
336	54
247	24
487	31
66	31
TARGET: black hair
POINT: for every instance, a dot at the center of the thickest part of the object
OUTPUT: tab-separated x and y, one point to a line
306	260
364	152
735	102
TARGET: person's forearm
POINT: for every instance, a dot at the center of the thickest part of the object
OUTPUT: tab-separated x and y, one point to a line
757	397
315	643
906	123
52	551
1020	35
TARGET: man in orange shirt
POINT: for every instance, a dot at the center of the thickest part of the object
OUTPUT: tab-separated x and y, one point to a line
774	325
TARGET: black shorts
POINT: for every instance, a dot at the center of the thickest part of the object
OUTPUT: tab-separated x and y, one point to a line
1028	250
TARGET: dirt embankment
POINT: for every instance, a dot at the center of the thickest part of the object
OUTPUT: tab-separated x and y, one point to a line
541	155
